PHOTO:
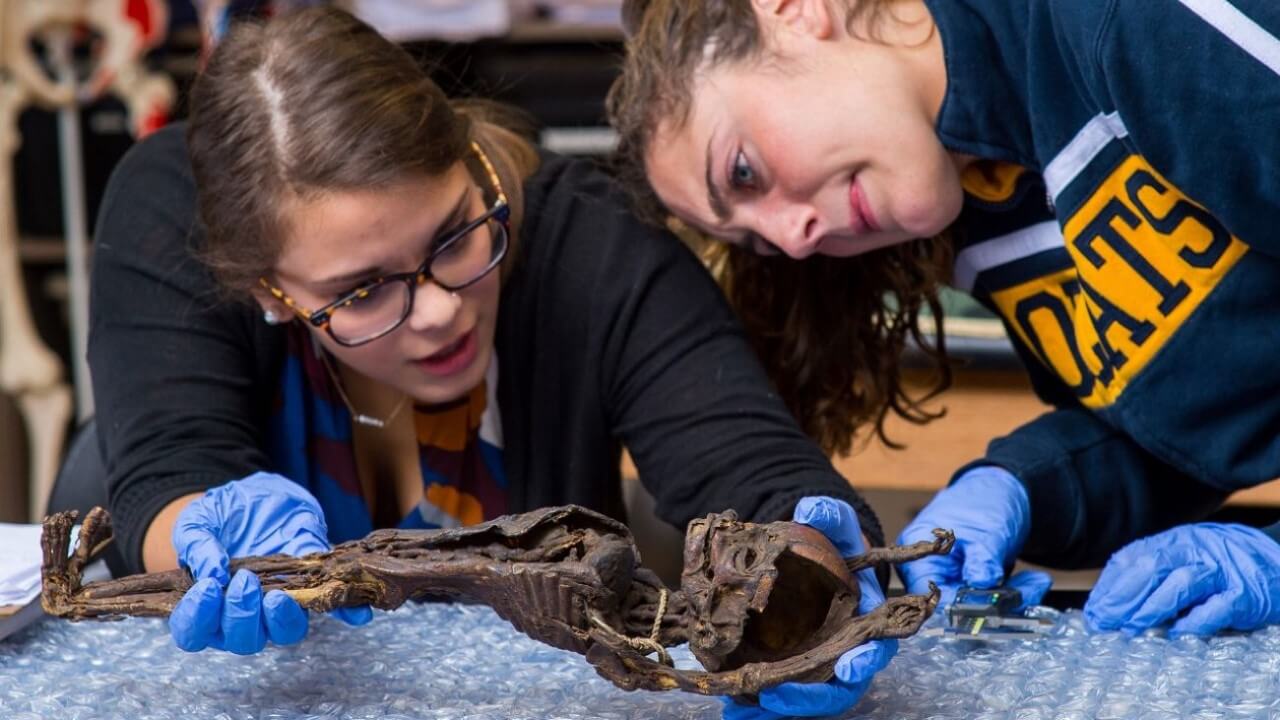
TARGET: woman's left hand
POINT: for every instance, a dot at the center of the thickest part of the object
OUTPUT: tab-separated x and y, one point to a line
855	669
1221	576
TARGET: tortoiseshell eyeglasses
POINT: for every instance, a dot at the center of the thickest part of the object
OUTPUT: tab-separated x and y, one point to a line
379	306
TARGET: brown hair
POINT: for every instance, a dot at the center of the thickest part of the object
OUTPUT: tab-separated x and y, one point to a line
829	331
315	101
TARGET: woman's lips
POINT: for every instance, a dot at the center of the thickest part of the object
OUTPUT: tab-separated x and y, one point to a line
863	219
455	357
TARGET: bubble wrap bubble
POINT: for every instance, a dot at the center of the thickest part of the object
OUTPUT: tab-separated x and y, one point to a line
452	661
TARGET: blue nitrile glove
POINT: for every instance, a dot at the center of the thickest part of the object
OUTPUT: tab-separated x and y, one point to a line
855	668
261	514
1221	576
990	513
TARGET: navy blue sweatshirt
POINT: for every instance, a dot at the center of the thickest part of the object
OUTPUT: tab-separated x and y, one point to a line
1122	226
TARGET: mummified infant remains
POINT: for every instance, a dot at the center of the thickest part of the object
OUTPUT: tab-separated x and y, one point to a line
758	604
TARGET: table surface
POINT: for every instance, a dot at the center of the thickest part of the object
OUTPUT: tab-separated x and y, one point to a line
449	661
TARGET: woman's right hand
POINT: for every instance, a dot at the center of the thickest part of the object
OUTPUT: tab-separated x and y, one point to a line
988	510
261	514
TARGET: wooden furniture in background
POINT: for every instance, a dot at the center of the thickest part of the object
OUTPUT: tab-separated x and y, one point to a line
981	405
13	450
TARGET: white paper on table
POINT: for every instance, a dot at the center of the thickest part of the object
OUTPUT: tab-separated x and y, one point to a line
20	558
19	563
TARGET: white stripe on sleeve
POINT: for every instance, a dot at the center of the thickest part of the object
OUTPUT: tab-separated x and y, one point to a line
1005	249
1239	29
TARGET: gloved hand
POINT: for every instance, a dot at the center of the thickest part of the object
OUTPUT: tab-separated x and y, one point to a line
855	668
990	513
261	514
1228	576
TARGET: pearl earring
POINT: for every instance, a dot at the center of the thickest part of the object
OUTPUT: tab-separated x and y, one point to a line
270	317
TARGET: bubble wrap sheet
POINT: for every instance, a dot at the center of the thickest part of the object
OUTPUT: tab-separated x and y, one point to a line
448	661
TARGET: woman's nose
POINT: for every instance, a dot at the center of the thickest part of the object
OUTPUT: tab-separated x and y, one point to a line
433	307
794	230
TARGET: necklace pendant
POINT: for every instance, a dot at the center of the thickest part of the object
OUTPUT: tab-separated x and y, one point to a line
370	421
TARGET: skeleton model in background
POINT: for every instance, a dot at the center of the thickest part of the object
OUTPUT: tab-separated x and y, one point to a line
121	31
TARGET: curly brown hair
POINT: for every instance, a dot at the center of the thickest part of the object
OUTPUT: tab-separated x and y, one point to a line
830	331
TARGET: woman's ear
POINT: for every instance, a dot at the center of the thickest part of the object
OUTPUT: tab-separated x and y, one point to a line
274	310
810	17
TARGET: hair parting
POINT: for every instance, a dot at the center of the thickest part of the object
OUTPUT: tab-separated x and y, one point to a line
315	101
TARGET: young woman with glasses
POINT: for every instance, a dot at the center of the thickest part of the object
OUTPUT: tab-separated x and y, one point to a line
341	302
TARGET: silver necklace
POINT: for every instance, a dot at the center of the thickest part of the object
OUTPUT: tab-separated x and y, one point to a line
356	416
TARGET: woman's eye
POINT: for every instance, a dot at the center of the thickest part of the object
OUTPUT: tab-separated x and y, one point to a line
743	176
356	295
449	241
456	245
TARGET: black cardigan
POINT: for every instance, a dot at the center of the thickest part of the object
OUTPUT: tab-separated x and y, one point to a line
610	333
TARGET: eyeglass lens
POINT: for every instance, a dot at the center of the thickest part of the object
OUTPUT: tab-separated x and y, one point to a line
382	308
